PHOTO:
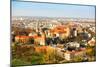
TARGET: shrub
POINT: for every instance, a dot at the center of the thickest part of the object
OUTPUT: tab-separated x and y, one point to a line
91	51
38	58
31	40
78	59
17	62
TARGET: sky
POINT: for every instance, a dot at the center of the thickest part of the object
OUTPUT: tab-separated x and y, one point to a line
20	8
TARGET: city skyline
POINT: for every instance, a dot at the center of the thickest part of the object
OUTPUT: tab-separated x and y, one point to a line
20	8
